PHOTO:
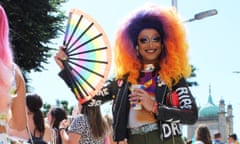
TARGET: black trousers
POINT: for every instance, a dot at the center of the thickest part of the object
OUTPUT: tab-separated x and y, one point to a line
153	138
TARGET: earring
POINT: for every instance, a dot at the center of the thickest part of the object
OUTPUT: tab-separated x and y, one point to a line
137	51
163	46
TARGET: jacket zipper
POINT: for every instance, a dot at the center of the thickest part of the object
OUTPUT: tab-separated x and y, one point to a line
160	123
124	91
173	140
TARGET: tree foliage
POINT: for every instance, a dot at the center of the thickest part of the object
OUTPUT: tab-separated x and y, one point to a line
193	75
33	24
63	104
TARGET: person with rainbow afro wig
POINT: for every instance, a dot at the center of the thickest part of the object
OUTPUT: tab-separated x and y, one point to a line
150	51
12	85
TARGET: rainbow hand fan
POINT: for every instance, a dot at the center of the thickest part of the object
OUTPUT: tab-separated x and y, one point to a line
89	55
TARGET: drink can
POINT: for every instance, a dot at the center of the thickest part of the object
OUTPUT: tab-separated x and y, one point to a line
136	105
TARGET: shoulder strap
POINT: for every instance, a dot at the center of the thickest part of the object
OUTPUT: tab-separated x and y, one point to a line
30	135
34	133
13	81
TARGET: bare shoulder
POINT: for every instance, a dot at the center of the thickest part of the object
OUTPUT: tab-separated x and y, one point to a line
20	82
19	75
18	119
47	133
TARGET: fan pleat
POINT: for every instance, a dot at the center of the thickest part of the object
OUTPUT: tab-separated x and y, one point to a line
87	69
86	42
88	51
75	29
80	36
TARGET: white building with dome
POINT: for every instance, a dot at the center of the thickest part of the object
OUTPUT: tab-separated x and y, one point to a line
216	117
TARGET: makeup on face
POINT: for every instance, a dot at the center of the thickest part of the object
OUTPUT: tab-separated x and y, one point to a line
146	39
149	45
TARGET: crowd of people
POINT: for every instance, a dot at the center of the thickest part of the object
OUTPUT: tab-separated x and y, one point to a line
150	50
203	135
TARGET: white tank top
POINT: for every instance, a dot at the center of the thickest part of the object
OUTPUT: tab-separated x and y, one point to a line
4	139
13	82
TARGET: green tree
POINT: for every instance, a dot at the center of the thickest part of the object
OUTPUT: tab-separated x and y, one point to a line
46	108
192	76
33	24
60	103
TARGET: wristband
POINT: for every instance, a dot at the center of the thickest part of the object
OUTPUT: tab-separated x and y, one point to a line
155	107
61	129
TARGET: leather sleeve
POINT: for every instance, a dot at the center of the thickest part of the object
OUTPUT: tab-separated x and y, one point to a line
104	95
186	112
63	74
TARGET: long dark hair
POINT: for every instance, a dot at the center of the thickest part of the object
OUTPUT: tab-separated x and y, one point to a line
58	114
34	104
96	121
203	134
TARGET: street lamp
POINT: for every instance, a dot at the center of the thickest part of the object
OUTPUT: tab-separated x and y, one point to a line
174	4
202	15
237	72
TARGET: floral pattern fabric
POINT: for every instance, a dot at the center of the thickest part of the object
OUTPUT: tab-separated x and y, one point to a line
80	126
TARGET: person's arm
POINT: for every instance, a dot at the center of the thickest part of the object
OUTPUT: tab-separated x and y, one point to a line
18	119
104	95
48	135
186	112
68	137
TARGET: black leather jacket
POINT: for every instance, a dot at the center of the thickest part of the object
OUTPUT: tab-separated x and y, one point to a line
169	117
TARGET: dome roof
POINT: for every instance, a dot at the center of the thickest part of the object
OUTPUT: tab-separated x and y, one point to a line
209	109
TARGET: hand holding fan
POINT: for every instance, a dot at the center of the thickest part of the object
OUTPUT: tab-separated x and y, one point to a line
89	55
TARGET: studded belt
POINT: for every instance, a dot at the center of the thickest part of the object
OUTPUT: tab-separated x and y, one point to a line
144	129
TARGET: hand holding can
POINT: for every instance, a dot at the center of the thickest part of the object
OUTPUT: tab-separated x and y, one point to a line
136	105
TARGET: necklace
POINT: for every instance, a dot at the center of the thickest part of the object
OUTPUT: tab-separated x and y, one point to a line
148	68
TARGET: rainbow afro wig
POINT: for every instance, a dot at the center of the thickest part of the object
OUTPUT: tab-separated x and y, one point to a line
174	62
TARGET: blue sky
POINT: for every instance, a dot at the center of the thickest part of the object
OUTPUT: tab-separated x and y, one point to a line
213	41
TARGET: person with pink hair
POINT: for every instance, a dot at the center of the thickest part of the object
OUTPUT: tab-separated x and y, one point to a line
150	51
12	85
